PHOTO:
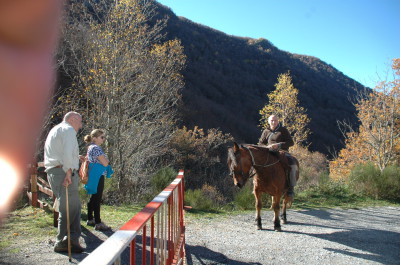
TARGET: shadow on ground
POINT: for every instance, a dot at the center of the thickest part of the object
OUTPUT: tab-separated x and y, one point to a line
382	246
202	255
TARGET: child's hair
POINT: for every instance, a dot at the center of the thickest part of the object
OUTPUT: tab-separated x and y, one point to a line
95	133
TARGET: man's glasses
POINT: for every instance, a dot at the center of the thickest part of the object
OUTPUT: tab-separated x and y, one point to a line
102	137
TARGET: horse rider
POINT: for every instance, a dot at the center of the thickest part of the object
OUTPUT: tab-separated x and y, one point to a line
277	138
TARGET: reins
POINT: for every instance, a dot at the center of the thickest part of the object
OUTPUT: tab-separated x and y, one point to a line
253	163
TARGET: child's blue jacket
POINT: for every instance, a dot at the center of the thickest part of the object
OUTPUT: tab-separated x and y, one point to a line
95	172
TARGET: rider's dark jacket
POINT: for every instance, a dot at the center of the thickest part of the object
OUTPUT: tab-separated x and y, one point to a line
278	136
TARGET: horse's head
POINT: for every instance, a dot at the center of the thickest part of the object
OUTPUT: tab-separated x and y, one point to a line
239	164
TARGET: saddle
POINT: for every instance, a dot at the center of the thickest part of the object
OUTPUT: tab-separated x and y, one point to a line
283	159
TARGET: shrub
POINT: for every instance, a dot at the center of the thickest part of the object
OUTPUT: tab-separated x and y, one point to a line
335	189
390	183
244	199
206	198
197	200
328	192
162	179
367	179
363	179
212	193
202	154
324	178
313	167
158	182
84	196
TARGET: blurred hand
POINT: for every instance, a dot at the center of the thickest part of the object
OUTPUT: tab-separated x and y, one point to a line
28	35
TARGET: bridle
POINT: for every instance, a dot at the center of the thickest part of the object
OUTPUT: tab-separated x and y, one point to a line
253	164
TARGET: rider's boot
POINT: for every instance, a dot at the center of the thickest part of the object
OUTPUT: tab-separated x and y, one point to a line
292	181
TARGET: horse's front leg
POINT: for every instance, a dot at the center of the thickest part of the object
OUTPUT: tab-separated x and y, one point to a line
257	196
276	206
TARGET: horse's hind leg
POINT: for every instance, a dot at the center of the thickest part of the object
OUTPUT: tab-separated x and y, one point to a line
287	202
283	215
276	206
257	196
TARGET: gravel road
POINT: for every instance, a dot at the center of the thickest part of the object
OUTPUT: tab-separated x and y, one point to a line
362	236
329	236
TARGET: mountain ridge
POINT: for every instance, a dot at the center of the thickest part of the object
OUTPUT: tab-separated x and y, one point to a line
228	78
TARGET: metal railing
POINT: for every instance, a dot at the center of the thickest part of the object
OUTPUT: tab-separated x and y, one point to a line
165	244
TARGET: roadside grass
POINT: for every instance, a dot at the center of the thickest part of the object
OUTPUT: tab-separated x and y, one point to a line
315	199
25	223
113	216
36	225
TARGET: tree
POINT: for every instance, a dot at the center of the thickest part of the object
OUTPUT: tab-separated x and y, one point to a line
377	138
125	80
379	114
354	153
283	102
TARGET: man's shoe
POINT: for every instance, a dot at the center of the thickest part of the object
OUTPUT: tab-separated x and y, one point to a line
91	222
61	246
101	227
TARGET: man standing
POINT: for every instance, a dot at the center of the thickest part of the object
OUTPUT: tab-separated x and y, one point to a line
276	137
61	159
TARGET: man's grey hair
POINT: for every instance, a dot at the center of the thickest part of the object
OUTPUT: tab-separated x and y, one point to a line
273	115
71	114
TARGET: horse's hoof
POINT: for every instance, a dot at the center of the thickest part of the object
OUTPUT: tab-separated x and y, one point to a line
278	229
259	227
283	221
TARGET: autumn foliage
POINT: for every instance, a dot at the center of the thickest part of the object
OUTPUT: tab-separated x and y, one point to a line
377	138
284	103
125	78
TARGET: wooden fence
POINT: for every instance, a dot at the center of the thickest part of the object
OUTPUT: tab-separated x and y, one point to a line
39	184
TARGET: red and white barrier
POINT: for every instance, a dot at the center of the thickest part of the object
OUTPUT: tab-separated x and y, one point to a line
162	219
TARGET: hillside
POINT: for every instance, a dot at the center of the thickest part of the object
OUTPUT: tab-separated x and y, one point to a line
228	77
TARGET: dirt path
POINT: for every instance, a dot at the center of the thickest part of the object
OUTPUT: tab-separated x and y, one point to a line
334	236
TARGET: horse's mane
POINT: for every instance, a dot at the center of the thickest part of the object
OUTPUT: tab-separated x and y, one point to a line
232	156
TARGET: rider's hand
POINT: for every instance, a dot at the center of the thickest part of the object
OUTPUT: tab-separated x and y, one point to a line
274	146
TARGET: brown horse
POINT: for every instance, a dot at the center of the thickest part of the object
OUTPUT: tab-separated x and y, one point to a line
246	161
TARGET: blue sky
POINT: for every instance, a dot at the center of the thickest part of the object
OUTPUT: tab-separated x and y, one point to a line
358	37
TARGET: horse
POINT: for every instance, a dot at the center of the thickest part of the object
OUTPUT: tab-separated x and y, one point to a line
246	161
